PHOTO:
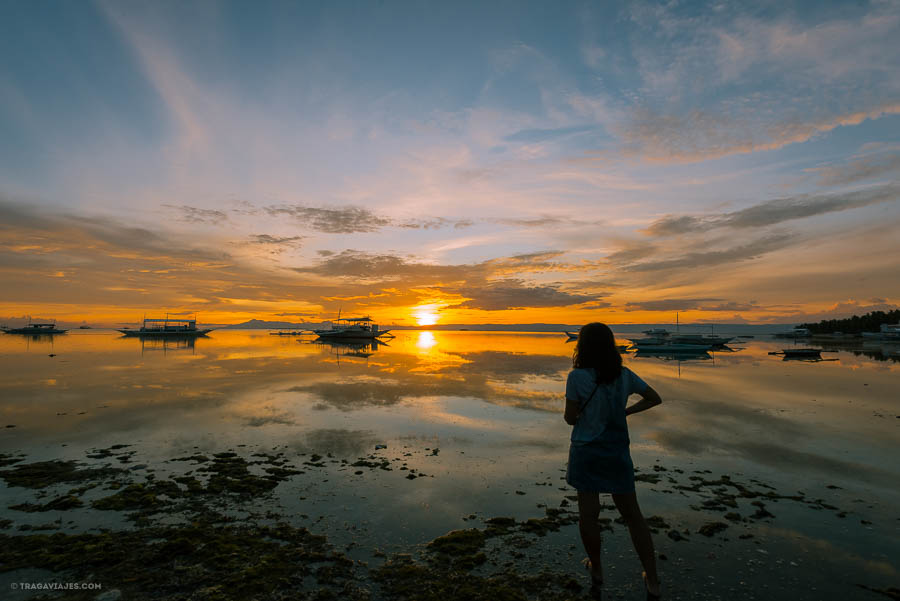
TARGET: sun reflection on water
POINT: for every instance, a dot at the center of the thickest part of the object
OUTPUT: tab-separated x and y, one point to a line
426	340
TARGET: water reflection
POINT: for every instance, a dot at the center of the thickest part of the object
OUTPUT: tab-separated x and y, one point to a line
490	402
167	344
347	347
426	340
462	384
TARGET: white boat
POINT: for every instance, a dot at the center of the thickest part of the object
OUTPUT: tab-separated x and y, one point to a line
352	327
887	331
658	332
797	332
36	329
167	328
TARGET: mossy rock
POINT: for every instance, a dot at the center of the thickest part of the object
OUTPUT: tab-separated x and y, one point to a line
58	504
712	528
46	473
458	542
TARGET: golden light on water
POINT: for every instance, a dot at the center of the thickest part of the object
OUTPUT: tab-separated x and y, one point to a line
426	340
425	315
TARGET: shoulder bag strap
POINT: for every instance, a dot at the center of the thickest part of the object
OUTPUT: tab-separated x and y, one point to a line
582	408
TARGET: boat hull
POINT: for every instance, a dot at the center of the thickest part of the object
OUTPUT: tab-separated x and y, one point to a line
170	334
351	335
33	331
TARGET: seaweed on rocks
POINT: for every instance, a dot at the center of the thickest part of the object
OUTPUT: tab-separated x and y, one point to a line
58	504
46	473
203	560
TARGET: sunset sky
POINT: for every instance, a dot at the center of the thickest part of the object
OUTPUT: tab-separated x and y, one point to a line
491	162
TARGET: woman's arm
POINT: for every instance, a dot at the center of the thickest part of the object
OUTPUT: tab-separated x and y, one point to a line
649	398
572	413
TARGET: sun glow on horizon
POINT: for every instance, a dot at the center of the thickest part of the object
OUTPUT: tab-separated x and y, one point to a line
425	315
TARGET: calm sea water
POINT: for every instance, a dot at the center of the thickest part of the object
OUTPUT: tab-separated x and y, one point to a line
480	415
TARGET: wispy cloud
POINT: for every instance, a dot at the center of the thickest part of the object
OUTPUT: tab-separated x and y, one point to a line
516	294
710	258
344	220
861	169
196	215
699	135
687	304
775	211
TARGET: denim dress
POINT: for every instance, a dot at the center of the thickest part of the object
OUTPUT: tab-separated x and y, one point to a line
599	456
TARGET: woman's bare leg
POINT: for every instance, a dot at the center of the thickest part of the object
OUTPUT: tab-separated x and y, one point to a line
627	505
591	533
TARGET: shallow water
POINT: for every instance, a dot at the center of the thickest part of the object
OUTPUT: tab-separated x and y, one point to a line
477	417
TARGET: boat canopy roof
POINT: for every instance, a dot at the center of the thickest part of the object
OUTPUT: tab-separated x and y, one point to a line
169	320
354	319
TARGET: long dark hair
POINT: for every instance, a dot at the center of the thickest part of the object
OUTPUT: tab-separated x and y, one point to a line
596	347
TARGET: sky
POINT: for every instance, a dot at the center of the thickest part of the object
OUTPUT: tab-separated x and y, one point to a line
421	162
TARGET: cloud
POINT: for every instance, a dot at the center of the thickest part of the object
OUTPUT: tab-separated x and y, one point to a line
275	244
700	135
195	215
718	83
775	211
687	304
541	135
435	223
343	220
690	260
861	169
516	294
355	264
353	220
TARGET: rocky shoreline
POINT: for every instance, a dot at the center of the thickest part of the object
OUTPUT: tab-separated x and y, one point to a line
201	527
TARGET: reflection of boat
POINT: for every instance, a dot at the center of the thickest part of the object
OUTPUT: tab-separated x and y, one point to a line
349	347
672	356
352	327
167	328
168	343
36	329
657	345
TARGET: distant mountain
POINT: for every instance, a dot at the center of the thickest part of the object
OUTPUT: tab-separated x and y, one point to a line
259	324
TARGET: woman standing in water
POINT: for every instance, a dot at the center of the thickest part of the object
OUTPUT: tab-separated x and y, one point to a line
597	392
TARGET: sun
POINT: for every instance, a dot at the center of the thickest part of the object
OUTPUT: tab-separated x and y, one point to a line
425	315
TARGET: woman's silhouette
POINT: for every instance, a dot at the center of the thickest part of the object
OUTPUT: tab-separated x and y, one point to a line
597	392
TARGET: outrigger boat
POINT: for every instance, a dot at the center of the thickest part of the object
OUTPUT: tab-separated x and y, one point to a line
352	327
34	329
799	353
170	328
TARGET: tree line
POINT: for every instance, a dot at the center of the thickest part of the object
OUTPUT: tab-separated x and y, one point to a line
870	322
